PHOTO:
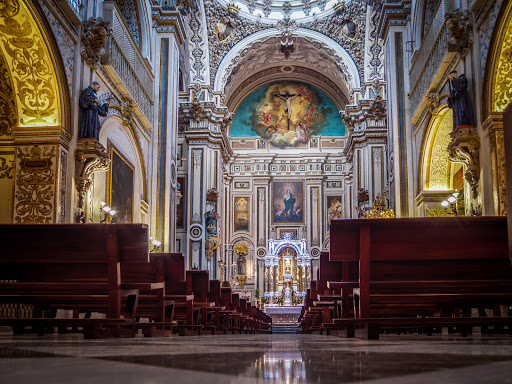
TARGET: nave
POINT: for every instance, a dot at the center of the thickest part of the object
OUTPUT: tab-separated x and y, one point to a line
257	359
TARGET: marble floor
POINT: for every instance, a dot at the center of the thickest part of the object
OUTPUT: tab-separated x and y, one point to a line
256	359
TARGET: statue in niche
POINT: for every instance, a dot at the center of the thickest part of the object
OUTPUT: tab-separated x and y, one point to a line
241	265
460	101
90	110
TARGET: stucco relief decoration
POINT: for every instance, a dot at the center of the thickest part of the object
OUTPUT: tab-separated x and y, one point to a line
90	157
461	29
439	160
502	91
7	103
35	184
9	8
465	148
30	66
378	108
94	38
6	168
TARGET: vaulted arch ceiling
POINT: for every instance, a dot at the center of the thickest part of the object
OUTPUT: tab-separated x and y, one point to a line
312	61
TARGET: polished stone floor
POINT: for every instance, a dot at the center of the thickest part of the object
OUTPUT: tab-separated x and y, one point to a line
256	359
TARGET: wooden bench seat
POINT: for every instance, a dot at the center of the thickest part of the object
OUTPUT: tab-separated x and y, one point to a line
421	267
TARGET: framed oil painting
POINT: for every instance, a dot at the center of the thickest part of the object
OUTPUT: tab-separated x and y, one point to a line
288	202
285	231
242	213
120	186
180	209
334	209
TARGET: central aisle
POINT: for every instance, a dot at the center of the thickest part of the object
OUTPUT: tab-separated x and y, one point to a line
255	359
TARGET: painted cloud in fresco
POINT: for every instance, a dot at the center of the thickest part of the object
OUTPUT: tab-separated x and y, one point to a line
287	114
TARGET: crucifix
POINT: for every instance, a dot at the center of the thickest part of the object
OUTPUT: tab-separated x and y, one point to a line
288	106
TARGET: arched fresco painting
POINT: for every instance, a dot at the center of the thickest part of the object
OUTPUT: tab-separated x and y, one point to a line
286	114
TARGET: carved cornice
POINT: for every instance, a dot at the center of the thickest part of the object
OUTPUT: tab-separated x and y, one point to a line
205	122
392	13
169	21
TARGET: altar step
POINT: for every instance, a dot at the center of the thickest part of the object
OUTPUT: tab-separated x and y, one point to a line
285	328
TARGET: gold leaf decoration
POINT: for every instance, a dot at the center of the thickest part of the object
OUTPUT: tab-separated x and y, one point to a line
30	66
35	184
6	168
9	8
502	92
7	104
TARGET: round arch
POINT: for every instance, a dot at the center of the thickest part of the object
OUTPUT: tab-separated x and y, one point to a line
353	73
114	133
435	171
497	92
35	64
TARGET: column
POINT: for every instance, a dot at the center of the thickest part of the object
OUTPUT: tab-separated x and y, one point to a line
169	32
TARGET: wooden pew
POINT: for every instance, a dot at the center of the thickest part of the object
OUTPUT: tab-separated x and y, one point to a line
409	267
72	266
177	290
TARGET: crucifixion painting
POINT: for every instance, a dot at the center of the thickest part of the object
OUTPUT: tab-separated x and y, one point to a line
288	104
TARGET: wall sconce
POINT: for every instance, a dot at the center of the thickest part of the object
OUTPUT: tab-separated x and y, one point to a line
451	203
107	213
155	244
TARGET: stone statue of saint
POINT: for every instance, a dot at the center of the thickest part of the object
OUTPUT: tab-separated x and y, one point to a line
90	110
460	101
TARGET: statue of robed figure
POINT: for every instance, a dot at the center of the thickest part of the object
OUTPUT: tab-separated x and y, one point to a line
90	110
460	101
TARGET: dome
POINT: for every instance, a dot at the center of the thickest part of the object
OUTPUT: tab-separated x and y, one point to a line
271	11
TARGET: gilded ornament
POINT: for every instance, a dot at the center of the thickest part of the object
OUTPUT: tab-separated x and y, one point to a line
7	103
502	92
6	168
31	71
35	184
90	157
465	148
9	8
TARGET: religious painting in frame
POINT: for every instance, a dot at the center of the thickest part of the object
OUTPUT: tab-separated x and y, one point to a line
242	213
180	209
120	186
334	209
285	231
288	202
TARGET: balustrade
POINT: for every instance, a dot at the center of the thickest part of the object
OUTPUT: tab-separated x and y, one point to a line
125	64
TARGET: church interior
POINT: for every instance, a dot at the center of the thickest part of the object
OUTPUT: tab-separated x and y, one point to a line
292	191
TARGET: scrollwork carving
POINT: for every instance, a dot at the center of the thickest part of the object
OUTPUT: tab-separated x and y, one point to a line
461	30
6	168
35	184
94	38
90	157
7	104
502	93
465	148
31	68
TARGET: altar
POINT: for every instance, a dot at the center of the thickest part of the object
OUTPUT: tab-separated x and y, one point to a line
284	314
287	271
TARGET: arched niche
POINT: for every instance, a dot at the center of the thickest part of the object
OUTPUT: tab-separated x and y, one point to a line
436	166
497	94
438	177
120	142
